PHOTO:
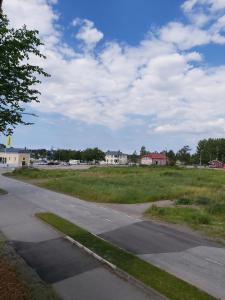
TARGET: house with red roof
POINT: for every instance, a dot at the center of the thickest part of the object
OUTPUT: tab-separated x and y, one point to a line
216	164
154	159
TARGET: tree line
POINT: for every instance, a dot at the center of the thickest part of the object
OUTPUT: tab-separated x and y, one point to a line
87	155
206	151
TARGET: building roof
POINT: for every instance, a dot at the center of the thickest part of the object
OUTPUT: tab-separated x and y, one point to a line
14	150
156	156
118	153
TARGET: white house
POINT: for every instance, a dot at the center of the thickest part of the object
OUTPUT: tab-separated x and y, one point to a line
154	159
115	158
14	157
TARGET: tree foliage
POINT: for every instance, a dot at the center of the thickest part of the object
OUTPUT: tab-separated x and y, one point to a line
172	157
18	76
134	157
143	151
210	149
184	155
87	155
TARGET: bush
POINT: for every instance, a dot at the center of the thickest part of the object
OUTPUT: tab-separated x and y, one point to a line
26	171
160	211
181	214
184	201
216	208
203	219
203	201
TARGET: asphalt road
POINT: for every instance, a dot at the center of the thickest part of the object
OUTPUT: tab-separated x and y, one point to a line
74	274
191	258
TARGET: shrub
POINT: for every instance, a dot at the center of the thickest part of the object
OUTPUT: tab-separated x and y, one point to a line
26	171
160	211
204	219
184	201
198	217
216	208
203	201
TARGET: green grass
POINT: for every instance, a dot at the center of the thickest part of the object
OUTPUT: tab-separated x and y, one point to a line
209	219
163	282
199	193
130	184
181	214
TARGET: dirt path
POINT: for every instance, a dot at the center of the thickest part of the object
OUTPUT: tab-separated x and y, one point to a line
137	210
11	287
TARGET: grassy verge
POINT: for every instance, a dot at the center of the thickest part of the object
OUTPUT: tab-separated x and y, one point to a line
202	214
163	282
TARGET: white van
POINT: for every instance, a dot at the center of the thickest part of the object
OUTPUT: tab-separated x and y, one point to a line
73	162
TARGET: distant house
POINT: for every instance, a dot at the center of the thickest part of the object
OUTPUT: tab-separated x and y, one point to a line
14	157
115	158
154	159
216	164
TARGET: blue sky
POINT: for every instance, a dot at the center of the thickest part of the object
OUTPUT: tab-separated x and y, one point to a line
126	73
123	20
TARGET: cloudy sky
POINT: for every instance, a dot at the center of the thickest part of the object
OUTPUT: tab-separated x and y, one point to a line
126	73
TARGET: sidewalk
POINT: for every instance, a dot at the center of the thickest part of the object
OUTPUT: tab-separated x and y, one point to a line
73	273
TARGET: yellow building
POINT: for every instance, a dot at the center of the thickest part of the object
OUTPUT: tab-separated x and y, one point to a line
14	157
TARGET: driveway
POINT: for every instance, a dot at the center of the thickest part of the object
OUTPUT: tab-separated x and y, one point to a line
191	258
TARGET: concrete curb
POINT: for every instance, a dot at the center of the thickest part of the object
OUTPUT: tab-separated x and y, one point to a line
101	259
118	271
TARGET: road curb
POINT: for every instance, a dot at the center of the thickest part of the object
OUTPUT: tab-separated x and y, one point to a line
101	259
124	275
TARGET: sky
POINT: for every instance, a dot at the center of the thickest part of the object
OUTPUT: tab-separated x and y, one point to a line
125	73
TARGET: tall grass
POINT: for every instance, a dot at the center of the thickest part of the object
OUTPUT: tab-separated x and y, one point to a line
131	184
199	194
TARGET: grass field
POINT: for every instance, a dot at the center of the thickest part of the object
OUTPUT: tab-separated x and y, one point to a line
165	283
130	185
199	193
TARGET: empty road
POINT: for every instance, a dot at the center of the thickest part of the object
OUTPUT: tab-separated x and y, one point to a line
191	258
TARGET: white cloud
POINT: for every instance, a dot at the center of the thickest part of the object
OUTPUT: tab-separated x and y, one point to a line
161	78
184	36
212	5
87	32
36	14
